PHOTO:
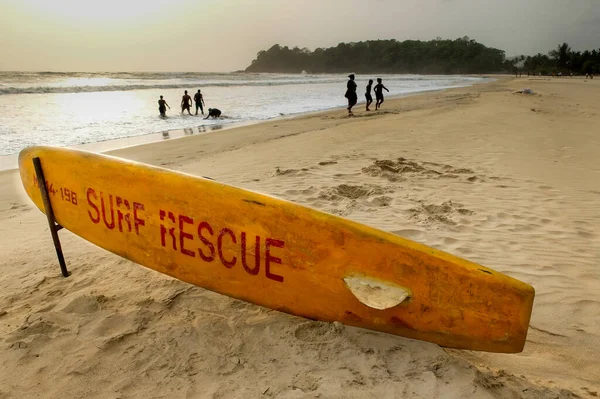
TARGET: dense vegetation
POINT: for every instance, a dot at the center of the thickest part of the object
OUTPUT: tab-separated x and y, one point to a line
384	56
562	59
460	56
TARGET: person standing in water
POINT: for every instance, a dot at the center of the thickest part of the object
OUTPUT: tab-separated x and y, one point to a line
351	93
379	93
199	100
161	107
368	94
186	103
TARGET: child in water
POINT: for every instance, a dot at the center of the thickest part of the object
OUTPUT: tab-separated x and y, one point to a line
161	107
214	112
368	94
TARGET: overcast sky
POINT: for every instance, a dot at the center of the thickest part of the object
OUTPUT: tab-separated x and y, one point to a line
225	35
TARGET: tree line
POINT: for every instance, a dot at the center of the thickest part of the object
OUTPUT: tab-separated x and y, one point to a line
560	60
439	56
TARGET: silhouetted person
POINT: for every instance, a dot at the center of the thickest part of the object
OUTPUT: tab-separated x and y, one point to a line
351	93
215	113
379	93
368	94
199	100
161	107
186	103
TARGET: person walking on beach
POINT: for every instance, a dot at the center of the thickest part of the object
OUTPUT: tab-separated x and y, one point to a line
351	93
161	107
379	93
186	103
368	94
199	100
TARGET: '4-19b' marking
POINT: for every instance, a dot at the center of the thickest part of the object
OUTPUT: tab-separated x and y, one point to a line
65	193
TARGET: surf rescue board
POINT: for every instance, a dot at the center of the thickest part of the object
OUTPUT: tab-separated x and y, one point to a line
278	254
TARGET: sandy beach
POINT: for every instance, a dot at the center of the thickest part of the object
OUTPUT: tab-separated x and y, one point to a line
507	180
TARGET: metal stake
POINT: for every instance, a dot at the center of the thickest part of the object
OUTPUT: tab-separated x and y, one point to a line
54	227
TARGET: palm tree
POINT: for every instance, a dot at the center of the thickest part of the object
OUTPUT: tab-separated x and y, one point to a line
562	56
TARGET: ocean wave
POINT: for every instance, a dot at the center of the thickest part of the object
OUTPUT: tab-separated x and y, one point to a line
123	87
63	82
5	90
91	89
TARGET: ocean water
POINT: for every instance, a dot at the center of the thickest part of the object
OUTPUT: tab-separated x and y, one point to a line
69	109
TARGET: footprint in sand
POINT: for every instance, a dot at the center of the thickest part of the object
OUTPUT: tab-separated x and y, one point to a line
84	304
304	192
381	201
16	205
318	332
356	192
398	170
289	172
34	325
346	191
433	213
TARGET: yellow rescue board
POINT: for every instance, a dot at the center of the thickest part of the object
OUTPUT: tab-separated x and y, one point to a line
278	254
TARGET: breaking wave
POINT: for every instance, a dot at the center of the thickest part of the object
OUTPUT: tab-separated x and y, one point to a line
63	82
182	85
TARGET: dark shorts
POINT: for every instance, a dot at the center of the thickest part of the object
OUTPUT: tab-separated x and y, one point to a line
368	97
379	97
185	106
199	105
352	99
162	110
